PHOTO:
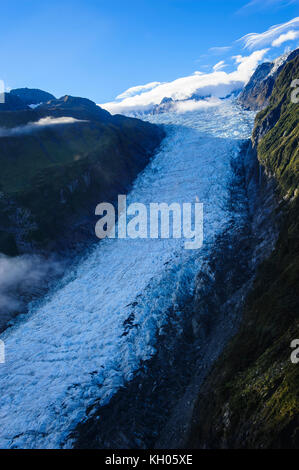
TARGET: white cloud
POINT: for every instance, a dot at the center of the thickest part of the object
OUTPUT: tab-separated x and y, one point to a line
135	90
217	84
258	5
220	50
35	126
193	105
220	65
22	275
290	36
256	40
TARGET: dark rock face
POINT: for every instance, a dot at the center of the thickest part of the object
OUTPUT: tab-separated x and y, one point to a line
32	95
256	94
258	90
291	56
164	107
11	103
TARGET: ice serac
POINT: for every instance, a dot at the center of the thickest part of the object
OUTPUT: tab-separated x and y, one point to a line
92	334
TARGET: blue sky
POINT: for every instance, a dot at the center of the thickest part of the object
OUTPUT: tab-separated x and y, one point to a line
98	48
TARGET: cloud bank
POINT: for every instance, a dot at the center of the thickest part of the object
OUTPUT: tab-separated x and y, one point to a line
35	126
290	36
218	84
136	90
193	105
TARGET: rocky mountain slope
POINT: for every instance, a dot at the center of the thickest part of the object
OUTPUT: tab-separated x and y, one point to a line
256	94
250	399
58	162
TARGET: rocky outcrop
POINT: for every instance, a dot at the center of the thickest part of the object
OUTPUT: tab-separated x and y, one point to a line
256	94
165	106
258	90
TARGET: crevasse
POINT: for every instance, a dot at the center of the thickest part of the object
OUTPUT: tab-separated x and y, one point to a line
86	338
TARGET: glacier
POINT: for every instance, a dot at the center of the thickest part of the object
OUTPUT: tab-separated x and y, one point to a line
88	337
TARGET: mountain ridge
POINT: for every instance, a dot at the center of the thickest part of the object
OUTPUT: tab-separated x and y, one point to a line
32	96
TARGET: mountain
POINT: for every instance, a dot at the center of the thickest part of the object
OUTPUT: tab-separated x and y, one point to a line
166	105
32	95
10	102
58	162
256	94
250	399
79	108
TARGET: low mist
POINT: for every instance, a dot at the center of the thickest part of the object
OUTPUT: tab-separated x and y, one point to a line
36	126
24	278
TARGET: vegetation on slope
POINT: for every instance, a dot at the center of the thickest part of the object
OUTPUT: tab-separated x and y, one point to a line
251	397
276	132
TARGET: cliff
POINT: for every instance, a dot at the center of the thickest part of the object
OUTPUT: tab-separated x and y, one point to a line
250	398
